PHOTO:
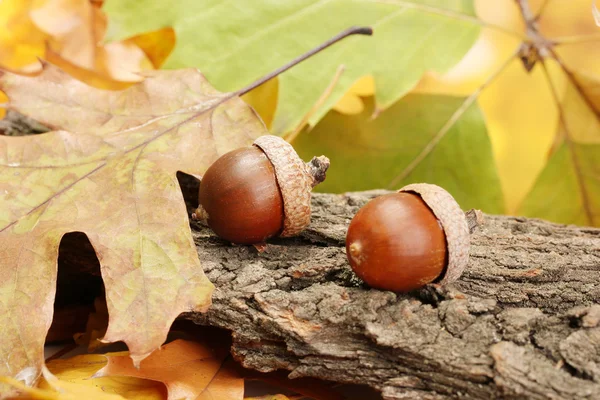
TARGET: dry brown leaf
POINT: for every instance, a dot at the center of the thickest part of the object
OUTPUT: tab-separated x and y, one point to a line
70	33
188	369
110	172
77	28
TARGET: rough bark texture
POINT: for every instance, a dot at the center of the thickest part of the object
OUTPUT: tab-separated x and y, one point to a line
522	323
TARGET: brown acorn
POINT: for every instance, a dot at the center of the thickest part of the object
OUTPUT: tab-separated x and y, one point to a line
251	194
403	241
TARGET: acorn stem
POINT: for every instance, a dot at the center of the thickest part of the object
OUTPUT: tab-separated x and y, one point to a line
475	219
355	30
317	168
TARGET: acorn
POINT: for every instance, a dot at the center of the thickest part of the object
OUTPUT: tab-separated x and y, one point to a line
254	193
403	241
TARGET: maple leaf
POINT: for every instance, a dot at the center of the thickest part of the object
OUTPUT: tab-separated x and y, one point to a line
110	172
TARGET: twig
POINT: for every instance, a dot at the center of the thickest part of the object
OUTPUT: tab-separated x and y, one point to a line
361	30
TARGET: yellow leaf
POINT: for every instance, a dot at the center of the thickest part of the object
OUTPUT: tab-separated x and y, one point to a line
579	114
69	33
3	100
58	390
77	28
264	100
518	105
572	26
522	120
21	41
74	376
351	102
189	370
156	44
111	174
590	85
91	77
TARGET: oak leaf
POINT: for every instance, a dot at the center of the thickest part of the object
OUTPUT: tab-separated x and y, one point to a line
108	170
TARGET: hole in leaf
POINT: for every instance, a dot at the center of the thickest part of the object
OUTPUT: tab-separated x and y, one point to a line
78	284
190	186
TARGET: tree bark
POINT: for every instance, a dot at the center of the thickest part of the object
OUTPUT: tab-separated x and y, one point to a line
523	322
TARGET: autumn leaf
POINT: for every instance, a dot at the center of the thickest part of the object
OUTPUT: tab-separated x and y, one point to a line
351	102
542	121
179	370
188	369
56	389
21	41
76	29
540	103
410	37
110	172
263	100
69	33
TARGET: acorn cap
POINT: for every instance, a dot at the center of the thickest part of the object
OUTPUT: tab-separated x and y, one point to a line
454	223
295	179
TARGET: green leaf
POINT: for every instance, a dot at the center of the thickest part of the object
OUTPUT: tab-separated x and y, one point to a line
568	190
371	153
233	43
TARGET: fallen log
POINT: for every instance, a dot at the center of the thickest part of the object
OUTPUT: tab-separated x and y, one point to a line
522	322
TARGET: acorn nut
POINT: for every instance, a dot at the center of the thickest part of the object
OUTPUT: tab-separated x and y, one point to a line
405	240
251	194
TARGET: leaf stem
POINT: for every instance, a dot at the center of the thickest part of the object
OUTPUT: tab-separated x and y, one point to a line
355	30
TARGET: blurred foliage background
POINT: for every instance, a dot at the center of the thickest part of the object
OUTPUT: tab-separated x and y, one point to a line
497	101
